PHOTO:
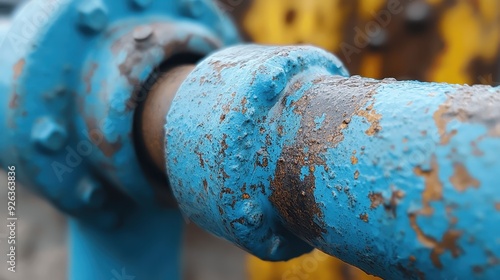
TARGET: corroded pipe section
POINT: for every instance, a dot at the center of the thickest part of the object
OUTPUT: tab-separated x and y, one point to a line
277	151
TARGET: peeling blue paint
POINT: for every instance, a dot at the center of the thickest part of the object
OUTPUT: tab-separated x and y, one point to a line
397	178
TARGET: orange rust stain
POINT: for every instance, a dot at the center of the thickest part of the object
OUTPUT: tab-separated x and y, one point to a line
18	68
433	186
364	217
461	178
354	160
427	241
497	206
441	122
373	118
377	199
448	242
245	196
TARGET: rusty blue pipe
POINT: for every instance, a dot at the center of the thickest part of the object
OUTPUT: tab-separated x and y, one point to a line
278	151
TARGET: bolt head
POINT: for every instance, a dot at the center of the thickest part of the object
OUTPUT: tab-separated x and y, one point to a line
142	33
93	16
142	4
49	135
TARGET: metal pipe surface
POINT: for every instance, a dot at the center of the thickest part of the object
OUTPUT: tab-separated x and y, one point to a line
272	149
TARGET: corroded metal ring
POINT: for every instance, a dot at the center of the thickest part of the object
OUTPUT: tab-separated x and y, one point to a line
118	77
59	54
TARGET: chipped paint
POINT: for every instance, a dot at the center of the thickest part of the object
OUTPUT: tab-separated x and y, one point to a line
18	68
392	208
433	186
462	180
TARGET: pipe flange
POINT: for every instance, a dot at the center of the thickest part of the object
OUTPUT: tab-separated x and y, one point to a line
46	57
117	78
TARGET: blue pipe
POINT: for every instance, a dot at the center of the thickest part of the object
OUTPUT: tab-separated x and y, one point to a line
146	246
282	152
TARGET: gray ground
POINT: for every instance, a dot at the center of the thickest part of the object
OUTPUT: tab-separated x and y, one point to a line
42	245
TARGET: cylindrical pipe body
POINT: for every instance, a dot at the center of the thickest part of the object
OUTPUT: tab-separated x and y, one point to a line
398	178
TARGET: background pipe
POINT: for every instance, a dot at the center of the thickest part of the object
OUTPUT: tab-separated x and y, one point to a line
73	74
272	149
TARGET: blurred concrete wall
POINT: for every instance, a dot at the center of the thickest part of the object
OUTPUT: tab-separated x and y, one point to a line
41	245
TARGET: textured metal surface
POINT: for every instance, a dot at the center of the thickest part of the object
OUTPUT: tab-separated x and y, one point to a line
398	178
216	157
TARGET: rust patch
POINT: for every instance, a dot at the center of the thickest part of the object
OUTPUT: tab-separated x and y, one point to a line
243	105
354	160
224	145
433	187
364	217
88	77
338	99
391	206
441	122
476	105
245	196
373	118
497	206
18	68
461	178
265	162
377	199
448	242
225	191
